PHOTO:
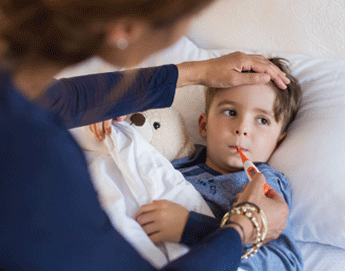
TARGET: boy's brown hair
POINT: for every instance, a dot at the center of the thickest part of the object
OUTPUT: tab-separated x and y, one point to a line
286	102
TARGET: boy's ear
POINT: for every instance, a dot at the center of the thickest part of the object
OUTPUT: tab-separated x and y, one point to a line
202	125
280	139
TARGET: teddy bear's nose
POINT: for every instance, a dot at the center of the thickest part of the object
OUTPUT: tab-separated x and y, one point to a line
137	119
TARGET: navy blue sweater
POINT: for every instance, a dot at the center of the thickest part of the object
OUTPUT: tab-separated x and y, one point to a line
50	218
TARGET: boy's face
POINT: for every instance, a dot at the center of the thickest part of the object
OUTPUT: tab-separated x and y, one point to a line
242	117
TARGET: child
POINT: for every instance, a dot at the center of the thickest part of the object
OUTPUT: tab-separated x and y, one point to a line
254	118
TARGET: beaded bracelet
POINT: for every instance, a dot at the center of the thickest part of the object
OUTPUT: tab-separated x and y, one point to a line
245	210
249	203
262	214
264	225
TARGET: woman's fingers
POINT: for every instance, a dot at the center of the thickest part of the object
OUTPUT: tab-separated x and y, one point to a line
265	71
278	212
107	126
273	205
229	71
236	202
91	128
122	118
94	128
100	129
254	189
260	64
251	79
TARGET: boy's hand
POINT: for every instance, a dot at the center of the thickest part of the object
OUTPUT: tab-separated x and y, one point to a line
163	220
100	129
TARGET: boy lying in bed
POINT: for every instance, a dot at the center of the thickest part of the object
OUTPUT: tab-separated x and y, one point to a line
254	118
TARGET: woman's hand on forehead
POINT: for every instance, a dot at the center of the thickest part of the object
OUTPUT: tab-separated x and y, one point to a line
228	71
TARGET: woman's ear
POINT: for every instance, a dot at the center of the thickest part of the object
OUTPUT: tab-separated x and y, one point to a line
203	125
122	42
122	32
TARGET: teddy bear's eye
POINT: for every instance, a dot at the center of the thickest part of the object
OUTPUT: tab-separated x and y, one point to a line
156	125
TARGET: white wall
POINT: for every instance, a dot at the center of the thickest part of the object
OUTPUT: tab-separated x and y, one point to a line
311	27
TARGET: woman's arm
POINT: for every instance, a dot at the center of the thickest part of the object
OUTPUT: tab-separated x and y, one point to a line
84	100
221	250
198	226
221	72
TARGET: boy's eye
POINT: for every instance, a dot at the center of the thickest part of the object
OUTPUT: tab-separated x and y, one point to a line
230	112
263	121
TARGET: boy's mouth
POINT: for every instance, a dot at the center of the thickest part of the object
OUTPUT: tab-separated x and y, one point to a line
235	147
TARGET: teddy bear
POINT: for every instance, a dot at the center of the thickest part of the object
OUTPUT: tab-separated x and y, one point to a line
166	130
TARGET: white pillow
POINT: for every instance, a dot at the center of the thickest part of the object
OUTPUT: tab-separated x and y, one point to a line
313	153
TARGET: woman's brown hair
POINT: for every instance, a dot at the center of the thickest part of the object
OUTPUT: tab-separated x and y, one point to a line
69	31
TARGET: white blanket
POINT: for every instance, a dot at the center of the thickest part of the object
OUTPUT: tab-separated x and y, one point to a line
128	172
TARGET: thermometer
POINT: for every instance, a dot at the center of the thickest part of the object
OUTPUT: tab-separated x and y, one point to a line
251	169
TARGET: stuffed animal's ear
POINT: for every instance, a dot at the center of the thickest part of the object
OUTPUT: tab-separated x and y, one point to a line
167	132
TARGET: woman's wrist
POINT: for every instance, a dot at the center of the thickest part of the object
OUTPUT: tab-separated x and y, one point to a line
247	232
190	73
251	221
239	217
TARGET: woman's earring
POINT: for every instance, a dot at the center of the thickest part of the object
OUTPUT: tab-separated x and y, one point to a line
122	44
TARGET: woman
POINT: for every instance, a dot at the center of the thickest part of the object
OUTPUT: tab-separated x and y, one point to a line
50	216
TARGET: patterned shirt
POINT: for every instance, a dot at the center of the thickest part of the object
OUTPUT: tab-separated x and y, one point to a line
220	192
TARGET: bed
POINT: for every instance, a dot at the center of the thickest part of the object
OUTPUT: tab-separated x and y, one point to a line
311	35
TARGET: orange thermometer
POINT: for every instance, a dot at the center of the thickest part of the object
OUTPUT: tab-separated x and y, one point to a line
251	169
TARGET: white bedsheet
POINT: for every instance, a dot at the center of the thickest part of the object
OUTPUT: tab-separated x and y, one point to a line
128	172
318	257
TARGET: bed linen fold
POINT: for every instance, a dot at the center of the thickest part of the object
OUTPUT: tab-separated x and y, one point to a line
128	172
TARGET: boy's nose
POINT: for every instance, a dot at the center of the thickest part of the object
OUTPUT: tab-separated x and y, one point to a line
240	132
241	128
